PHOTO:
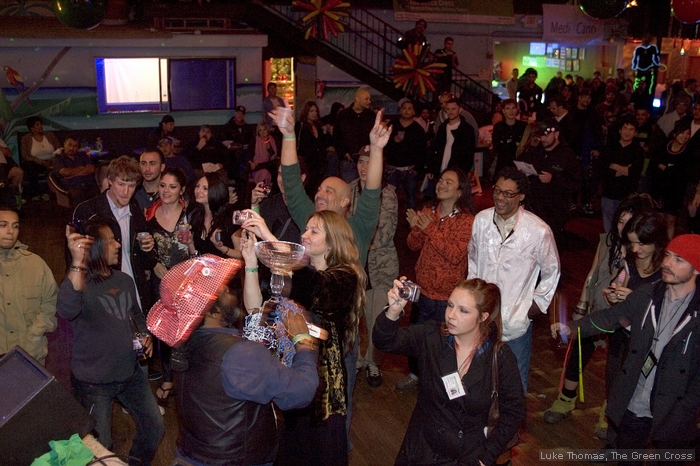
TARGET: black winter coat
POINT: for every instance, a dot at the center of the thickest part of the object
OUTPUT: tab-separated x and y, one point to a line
98	207
463	147
444	431
675	398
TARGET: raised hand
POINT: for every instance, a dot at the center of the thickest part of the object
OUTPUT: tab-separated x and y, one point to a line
380	133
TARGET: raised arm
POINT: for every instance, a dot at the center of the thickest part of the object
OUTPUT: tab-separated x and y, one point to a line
252	296
288	154
378	138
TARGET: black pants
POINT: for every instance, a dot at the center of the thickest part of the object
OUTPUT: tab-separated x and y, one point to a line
634	433
587	349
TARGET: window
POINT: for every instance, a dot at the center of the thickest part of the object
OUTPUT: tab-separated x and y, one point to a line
162	84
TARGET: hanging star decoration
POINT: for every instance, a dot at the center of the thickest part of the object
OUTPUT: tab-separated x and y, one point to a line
323	16
413	70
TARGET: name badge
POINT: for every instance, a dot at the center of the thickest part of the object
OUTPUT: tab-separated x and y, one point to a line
649	364
453	385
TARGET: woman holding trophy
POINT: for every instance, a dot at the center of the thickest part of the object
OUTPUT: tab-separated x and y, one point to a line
332	289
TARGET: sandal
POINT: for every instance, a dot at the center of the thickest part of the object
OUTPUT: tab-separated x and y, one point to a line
163	393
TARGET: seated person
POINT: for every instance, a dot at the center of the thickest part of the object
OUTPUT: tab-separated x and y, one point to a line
74	171
205	154
11	177
167	147
37	148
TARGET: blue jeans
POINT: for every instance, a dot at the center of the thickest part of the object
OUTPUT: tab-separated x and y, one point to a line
608	206
136	396
522	348
405	179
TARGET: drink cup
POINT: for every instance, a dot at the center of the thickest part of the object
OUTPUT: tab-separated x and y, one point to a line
282	114
142	235
183	233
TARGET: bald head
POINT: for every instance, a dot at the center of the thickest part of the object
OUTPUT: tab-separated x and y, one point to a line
333	194
362	100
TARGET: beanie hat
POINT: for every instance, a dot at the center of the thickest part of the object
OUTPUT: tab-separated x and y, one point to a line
688	247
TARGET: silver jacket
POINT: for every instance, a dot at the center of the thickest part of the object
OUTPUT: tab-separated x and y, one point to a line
514	265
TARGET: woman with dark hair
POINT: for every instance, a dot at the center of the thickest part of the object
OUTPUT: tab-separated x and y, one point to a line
670	173
164	218
332	289
441	232
36	149
455	361
608	261
209	214
311	144
101	304
329	120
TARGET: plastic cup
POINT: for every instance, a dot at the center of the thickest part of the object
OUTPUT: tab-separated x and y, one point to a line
282	114
183	233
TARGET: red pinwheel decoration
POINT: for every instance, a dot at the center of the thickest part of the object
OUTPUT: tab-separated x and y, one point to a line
323	15
414	71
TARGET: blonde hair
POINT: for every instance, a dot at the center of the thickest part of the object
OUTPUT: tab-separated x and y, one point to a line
124	167
261	126
343	252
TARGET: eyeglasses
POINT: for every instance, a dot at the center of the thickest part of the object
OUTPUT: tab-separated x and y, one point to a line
507	194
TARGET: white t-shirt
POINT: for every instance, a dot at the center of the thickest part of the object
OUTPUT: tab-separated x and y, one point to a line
448	146
42	150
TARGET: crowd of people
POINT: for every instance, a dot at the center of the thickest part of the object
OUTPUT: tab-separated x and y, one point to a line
336	186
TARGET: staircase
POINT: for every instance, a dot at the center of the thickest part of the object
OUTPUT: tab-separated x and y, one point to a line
366	50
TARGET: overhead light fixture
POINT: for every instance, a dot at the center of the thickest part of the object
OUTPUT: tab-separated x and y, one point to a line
632	3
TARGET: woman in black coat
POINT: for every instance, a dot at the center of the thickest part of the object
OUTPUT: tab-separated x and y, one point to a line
312	142
455	359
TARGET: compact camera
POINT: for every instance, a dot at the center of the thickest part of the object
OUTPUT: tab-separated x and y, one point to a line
240	216
266	189
409	291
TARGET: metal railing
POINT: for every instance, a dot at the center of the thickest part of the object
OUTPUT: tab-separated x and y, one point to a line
372	42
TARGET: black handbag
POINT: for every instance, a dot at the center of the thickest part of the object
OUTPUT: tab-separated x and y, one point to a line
494	412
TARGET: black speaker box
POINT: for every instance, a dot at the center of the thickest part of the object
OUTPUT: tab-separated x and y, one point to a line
34	409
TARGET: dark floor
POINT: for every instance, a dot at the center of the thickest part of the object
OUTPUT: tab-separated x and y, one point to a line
381	414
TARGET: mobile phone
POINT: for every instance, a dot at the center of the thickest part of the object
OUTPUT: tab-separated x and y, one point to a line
217	236
77	225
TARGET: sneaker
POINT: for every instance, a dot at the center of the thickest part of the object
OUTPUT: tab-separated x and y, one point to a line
154	375
407	382
560	410
374	375
601	427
